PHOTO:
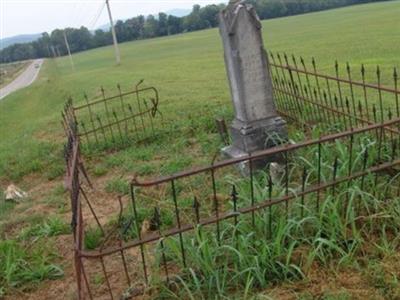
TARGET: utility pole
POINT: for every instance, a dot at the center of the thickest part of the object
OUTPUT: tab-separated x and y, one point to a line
48	50
69	51
58	50
117	57
54	51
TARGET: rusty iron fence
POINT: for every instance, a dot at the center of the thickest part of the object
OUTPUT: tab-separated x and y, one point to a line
306	96
115	120
363	151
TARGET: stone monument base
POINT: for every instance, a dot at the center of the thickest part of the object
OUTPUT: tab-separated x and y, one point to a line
256	136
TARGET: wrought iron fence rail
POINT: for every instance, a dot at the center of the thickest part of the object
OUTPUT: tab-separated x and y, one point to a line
264	153
117	122
290	98
118	96
336	79
241	211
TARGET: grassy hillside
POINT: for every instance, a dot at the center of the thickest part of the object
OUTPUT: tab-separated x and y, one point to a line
189	72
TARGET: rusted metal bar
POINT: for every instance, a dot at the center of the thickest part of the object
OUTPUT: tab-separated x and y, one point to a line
293	99
264	153
224	216
344	114
357	83
116	97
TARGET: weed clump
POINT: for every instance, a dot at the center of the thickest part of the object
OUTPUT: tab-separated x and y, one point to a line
22	268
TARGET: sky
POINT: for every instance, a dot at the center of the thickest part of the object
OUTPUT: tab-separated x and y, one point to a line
36	16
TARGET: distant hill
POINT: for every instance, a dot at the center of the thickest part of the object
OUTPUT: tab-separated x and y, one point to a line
17	39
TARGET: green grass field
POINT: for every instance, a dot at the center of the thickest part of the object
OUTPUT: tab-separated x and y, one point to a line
189	72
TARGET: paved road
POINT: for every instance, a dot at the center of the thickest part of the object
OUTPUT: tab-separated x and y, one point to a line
23	80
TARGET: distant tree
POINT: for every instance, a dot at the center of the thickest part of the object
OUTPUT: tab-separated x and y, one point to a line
209	16
150	27
121	31
193	21
162	24
57	40
175	25
101	38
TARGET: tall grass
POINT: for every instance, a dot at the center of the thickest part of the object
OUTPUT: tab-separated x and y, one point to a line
24	267
283	245
249	260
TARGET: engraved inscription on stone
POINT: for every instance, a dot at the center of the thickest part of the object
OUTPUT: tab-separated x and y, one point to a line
247	71
250	83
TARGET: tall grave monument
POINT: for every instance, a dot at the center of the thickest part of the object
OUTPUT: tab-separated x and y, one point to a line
256	125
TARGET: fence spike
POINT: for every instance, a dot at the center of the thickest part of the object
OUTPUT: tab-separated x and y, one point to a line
155	222
390	115
306	90
270	189
303	187
374	112
348	68
234	195
302	61
294	59
272	55
196	207
335	168
286	58
394	148
378	72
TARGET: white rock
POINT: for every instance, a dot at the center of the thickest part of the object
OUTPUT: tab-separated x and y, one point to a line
14	193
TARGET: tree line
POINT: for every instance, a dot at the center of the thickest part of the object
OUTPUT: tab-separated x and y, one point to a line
141	27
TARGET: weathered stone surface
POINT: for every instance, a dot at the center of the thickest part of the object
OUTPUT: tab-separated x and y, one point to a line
256	125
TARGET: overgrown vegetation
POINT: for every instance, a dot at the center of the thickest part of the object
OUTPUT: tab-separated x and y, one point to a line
29	257
24	266
283	247
333	227
50	227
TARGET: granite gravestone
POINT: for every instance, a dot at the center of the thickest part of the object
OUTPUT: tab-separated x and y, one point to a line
256	125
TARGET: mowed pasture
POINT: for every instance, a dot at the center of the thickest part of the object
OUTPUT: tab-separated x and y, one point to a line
189	72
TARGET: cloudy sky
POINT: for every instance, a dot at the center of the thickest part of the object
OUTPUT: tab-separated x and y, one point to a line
36	16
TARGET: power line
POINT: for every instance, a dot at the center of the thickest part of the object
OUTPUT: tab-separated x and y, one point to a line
97	16
83	16
73	15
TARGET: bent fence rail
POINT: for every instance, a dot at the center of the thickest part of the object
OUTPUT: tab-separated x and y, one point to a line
363	152
115	119
309	97
358	161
